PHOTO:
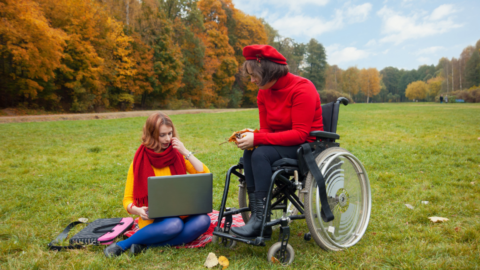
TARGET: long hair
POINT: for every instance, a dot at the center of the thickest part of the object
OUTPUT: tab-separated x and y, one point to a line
151	130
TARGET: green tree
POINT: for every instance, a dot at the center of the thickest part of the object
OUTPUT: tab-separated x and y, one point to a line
472	71
316	64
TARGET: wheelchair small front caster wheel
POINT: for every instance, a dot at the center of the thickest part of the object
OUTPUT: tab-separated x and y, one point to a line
274	251
307	236
218	241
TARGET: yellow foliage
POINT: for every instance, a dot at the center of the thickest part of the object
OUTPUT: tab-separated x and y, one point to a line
416	90
370	82
223	261
434	86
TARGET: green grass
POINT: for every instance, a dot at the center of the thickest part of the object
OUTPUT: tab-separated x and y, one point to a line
53	173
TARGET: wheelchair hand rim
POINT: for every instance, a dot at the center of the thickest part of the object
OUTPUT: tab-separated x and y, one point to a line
366	203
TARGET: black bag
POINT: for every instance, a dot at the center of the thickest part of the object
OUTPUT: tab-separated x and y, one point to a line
99	232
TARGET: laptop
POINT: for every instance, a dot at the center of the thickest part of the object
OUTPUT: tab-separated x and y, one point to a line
180	195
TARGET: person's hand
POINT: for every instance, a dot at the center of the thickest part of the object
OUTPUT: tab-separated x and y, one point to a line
141	211
246	141
177	144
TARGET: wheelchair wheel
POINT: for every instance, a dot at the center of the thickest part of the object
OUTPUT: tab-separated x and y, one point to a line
274	251
349	197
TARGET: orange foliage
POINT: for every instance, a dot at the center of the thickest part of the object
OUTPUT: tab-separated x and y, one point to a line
238	134
220	65
31	50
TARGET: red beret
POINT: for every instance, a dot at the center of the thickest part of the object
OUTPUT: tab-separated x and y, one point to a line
267	52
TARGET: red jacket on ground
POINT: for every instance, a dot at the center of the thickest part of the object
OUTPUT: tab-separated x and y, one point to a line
289	110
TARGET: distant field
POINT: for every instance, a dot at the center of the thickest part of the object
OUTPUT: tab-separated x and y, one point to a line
53	173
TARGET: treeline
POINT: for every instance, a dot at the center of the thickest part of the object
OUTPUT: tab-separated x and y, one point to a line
77	55
458	78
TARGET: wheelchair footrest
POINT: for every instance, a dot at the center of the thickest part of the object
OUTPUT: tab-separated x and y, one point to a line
250	241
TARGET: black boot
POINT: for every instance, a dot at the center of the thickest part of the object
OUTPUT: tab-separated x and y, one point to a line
136	249
113	251
254	225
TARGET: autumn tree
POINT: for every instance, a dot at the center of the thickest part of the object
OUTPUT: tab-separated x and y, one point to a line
434	86
316	64
351	81
220	64
30	50
416	90
333	78
370	82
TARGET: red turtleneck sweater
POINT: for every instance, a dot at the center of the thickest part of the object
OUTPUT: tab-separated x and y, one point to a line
289	110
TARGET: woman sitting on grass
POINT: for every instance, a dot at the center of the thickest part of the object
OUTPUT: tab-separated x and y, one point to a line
161	154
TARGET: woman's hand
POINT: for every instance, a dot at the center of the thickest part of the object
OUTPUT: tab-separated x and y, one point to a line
140	211
246	141
177	144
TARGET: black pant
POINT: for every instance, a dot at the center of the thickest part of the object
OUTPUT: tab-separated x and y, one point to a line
258	165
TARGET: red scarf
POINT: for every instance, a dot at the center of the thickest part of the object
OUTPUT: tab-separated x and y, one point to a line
142	169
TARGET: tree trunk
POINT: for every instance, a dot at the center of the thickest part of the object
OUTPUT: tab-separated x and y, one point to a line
453	79
144	99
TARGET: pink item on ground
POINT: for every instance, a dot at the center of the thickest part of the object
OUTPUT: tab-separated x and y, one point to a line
122	226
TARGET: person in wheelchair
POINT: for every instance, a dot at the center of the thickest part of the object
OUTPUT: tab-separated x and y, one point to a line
289	109
160	154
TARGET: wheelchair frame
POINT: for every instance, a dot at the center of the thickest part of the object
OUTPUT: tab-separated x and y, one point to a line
284	193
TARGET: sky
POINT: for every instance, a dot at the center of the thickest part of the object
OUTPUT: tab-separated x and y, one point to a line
403	33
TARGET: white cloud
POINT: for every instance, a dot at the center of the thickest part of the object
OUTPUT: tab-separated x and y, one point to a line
358	13
338	55
442	11
423	60
430	50
309	26
298	24
398	28
249	5
371	42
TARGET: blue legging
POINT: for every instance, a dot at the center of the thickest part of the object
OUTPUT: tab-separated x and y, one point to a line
169	231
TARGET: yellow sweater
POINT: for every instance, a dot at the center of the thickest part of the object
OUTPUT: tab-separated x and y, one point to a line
165	171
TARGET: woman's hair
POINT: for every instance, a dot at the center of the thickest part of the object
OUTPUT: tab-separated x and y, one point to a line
151	130
266	70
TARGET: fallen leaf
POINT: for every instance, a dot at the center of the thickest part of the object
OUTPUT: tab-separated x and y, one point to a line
425	202
223	261
83	220
478	138
406	223
421	171
473	183
409	206
211	260
238	134
457	229
438	219
275	260
374	233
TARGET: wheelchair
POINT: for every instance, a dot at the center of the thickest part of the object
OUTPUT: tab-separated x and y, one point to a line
326	185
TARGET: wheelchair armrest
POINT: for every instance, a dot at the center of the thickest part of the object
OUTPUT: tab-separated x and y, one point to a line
325	135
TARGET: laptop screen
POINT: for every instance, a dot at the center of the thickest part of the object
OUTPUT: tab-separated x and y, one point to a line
179	195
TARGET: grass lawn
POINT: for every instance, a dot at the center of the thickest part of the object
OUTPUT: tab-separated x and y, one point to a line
53	173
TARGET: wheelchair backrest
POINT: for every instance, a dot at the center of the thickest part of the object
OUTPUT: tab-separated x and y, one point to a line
330	116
